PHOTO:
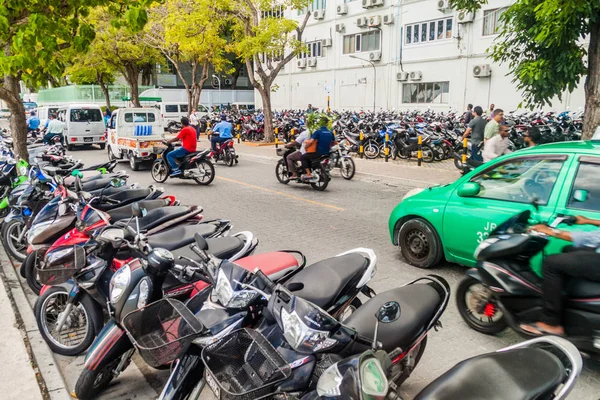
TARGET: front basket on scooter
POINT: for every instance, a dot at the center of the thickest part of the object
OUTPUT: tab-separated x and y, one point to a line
243	366
162	331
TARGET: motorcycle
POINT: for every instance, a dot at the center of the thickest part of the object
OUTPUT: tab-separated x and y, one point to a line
196	166
320	175
225	152
553	366
503	290
339	158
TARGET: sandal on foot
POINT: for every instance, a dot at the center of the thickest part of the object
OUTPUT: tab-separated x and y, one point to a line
535	330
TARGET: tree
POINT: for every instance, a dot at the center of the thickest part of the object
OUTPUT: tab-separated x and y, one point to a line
124	49
189	32
542	41
89	68
33	36
266	41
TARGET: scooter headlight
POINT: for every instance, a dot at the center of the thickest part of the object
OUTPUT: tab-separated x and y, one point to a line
374	383
144	293
119	283
232	298
23	170
330	382
302	337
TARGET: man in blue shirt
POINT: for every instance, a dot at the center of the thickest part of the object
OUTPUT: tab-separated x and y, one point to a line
221	132
33	122
324	138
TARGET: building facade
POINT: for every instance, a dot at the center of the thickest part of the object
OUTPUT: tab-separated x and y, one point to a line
400	54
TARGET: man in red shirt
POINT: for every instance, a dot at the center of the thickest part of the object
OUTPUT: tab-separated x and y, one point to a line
187	135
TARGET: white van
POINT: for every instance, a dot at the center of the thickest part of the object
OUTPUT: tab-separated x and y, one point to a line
132	135
43	113
84	124
173	112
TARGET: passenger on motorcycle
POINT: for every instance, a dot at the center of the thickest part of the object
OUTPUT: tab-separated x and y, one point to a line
580	261
221	132
318	145
293	158
54	128
33	122
187	135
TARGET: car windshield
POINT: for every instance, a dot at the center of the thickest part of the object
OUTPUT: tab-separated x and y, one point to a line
86	115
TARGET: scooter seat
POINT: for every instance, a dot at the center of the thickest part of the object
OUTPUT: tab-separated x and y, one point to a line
180	236
95	184
159	216
322	282
124	212
581	289
222	247
418	305
132	194
520	374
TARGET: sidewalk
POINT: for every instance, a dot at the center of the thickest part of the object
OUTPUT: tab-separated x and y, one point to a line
400	170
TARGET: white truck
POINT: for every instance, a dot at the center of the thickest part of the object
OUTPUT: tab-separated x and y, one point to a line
133	133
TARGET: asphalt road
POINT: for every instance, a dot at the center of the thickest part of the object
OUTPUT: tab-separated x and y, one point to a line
347	215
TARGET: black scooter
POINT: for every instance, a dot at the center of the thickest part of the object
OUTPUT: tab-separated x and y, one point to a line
196	166
503	290
320	175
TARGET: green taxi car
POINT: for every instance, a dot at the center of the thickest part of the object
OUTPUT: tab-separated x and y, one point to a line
450	221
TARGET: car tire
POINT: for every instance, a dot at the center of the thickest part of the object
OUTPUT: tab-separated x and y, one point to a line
134	164
102	146
70	147
489	327
419	243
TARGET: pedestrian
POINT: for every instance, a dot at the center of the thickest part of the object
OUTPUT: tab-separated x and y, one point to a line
194	122
469	114
532	137
492	108
492	127
496	146
475	130
310	109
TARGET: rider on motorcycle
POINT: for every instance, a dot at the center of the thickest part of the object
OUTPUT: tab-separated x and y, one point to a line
187	135
221	132
324	140
580	261
291	159
53	128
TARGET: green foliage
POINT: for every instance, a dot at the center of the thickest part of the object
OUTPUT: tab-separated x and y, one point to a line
316	120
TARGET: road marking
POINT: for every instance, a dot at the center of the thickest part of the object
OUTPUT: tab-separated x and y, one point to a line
291	196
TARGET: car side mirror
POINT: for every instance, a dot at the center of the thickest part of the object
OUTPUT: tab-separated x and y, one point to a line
469	189
580	195
389	312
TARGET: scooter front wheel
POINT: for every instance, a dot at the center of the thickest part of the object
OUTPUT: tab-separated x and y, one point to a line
92	382
159	171
14	238
208	170
281	172
478	308
31	274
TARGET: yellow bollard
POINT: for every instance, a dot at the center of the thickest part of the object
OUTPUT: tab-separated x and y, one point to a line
361	147
238	137
420	150
276	142
464	155
387	146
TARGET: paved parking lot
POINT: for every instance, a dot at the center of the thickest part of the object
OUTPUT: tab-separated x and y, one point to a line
321	224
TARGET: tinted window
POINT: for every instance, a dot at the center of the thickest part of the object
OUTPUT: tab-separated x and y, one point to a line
520	180
201	108
587	179
128	117
171	108
151	117
85	115
184	108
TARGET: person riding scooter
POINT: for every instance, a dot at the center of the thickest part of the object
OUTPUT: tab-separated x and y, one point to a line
296	156
317	146
580	261
53	128
187	135
221	132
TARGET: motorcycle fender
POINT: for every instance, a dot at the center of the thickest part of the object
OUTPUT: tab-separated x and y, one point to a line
111	342
14	215
4	203
68	286
186	373
474	273
502	281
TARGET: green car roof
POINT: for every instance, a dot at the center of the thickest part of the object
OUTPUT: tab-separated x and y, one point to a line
589	146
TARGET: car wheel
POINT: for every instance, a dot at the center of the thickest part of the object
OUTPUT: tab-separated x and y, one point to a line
419	243
70	147
134	163
478	308
102	146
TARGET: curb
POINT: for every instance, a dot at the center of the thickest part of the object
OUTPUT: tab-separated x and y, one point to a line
50	380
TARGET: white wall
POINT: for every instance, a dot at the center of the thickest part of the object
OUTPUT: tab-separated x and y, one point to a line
351	81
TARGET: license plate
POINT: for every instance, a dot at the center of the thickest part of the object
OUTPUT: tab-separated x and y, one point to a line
88	139
213	385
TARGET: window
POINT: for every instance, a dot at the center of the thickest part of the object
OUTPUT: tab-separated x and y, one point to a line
183	108
368	41
85	115
313	49
315	5
491	21
276	12
171	108
433	92
423	32
521	180
139	117
586	180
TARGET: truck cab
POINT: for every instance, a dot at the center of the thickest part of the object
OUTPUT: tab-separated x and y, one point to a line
133	133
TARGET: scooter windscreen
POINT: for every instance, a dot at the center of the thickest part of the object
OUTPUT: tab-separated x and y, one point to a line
516	224
88	216
306	327
229	285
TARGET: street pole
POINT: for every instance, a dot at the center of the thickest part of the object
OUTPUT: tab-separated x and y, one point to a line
218	80
374	78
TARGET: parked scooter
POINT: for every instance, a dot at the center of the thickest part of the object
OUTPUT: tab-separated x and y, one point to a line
196	166
319	171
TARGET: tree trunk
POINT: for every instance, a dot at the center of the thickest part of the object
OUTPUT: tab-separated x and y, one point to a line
146	74
18	120
132	77
197	89
104	87
591	119
265	95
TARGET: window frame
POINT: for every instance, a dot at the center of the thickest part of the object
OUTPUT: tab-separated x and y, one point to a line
359	41
499	10
589	160
416	28
443	95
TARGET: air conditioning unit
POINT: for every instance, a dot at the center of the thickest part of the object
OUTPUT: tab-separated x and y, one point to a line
377	3
342	9
367	3
312	62
318	14
228	82
326	42
388	19
301	63
339	28
375	56
483	70
375	20
362	22
464	17
443	5
402	76
416	76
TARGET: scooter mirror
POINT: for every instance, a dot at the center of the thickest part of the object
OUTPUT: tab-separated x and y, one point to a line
77	173
137	211
389	312
117	182
200	242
